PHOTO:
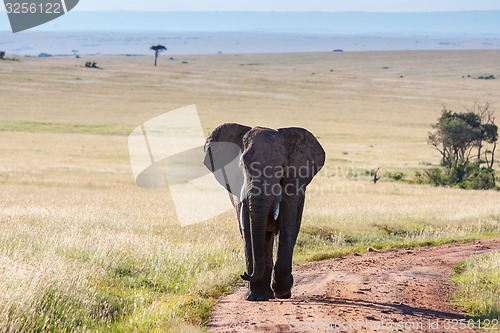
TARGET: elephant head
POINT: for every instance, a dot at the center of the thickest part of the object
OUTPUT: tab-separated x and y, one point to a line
275	166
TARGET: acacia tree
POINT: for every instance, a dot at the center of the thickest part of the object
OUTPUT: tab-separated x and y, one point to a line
455	137
158	48
458	136
489	132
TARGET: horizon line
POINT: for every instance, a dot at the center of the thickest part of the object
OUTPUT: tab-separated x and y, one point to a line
2	10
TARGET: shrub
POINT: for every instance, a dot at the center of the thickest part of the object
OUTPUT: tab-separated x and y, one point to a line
472	176
395	175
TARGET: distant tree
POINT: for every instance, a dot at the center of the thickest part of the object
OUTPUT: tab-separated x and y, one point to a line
75	52
158	48
466	141
489	132
456	136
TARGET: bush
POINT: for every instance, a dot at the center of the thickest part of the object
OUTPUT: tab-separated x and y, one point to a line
395	175
433	176
480	178
472	176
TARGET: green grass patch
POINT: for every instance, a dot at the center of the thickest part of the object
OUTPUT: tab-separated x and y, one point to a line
48	127
172	288
324	242
56	309
478	288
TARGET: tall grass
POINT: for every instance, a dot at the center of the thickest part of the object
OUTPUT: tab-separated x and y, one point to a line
478	288
114	260
83	249
389	215
91	270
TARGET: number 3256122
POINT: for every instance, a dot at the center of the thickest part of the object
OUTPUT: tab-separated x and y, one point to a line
33	8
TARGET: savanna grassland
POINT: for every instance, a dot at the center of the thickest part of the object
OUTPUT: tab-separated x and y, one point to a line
84	249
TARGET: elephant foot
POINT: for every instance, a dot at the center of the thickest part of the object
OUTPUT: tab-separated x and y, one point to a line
284	296
283	287
282	293
259	295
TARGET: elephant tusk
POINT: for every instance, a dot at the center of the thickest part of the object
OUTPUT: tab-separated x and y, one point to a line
242	218
276	210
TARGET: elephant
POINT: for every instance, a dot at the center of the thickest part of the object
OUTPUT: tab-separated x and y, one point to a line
274	168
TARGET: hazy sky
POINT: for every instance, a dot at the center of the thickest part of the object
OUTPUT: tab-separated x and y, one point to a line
290	5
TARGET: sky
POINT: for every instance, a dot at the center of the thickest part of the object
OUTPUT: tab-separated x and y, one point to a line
288	5
291	5
94	14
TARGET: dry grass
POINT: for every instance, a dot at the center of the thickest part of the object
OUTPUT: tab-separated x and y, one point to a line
82	248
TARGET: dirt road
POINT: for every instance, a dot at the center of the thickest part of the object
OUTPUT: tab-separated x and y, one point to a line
404	290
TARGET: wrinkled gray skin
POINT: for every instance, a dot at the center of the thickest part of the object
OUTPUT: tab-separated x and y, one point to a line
291	158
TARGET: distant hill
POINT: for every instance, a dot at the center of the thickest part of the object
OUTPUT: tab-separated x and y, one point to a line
467	22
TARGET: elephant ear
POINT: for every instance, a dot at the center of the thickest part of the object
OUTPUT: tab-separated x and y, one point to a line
305	155
223	149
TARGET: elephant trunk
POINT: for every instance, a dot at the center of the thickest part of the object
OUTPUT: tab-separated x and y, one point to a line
255	244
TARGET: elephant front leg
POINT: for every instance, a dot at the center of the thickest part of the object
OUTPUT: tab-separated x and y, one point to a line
283	278
261	290
289	229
